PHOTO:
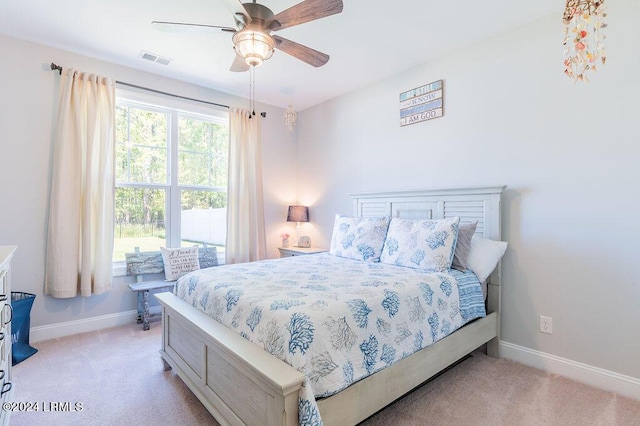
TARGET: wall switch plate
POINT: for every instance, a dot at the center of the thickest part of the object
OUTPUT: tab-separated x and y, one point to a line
546	324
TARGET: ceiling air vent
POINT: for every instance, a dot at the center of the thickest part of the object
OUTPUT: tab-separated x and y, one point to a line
155	58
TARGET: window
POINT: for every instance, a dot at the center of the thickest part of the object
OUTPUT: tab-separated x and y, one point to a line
171	176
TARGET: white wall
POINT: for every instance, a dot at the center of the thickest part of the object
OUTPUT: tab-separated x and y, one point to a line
567	152
28	94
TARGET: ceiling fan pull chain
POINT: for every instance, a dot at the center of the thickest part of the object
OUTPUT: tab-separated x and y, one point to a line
253	90
251	70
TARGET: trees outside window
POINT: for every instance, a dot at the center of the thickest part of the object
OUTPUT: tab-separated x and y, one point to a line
171	178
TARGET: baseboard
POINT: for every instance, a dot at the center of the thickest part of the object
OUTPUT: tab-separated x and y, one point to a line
597	377
53	331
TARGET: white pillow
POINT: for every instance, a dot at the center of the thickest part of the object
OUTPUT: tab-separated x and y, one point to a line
484	256
359	238
179	261
421	244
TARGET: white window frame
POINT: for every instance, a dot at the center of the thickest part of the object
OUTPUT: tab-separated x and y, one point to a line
176	108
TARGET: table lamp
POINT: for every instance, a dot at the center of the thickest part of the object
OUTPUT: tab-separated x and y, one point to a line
299	214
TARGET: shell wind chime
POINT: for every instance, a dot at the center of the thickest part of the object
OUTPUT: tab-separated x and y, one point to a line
583	37
290	118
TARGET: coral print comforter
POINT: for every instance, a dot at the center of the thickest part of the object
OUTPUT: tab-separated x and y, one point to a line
336	320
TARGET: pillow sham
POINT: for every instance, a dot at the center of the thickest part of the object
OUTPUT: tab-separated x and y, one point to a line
465	233
179	261
421	244
359	238
484	256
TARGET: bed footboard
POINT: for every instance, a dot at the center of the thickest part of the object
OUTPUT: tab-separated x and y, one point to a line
237	381
240	383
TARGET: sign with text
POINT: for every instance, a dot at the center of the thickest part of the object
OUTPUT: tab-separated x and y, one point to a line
422	103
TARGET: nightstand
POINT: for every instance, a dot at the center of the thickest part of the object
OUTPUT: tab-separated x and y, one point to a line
299	251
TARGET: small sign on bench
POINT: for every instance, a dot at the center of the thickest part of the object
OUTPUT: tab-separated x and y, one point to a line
141	263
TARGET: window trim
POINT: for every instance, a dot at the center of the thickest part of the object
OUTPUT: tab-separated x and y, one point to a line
174	108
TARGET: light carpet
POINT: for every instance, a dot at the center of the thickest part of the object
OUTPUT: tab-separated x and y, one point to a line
117	376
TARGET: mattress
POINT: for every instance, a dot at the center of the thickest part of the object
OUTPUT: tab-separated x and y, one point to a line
337	320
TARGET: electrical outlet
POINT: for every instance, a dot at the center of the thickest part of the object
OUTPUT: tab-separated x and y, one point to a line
546	324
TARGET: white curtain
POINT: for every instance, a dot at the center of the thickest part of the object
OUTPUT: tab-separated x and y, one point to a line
245	206
81	205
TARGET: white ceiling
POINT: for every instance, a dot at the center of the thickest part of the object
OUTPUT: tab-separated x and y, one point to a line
369	40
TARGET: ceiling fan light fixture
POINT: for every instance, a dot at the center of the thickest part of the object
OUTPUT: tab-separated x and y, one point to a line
254	46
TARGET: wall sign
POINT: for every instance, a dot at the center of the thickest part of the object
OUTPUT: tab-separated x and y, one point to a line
422	103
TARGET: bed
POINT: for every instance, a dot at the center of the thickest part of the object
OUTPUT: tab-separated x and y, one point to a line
240	383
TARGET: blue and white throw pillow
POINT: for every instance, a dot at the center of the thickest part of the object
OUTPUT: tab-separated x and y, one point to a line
421	244
359	238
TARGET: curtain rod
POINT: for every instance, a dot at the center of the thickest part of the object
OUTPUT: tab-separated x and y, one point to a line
55	67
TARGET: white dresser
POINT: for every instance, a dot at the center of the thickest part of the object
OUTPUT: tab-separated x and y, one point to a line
6	314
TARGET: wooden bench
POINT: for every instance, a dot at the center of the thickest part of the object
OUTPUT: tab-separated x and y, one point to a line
141	263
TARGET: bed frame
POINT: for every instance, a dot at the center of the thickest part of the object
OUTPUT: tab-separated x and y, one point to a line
240	383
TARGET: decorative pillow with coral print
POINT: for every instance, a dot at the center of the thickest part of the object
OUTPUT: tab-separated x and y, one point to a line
359	238
421	244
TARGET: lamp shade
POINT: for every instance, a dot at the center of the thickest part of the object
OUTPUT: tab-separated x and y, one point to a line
298	214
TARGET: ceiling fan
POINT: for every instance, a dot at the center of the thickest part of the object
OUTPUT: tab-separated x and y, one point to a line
252	39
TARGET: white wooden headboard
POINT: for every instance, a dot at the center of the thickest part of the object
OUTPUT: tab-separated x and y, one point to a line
470	204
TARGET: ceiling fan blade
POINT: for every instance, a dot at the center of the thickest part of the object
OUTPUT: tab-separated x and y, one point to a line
308	10
304	53
188	28
239	65
237	9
